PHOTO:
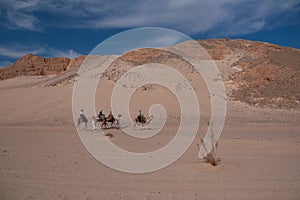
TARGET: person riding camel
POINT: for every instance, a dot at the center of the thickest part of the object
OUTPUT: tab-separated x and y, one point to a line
101	115
110	117
140	116
81	115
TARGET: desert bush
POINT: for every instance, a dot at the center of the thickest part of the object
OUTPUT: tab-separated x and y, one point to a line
211	157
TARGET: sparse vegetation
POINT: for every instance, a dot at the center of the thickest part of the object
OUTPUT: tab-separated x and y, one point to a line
211	156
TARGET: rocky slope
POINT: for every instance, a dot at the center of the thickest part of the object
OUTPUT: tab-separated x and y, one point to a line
268	75
32	65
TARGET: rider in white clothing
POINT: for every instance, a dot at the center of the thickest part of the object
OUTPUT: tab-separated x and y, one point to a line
82	116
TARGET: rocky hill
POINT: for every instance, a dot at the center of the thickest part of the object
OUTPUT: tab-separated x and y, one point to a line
32	65
268	75
258	73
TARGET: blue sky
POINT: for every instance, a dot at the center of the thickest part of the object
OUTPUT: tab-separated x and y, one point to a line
70	28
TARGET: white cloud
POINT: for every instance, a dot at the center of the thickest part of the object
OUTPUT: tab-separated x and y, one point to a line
192	16
68	53
18	14
29	4
18	20
163	39
17	51
189	16
8	54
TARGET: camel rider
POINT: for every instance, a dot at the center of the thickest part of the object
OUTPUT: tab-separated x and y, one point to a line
81	115
101	115
140	116
110	117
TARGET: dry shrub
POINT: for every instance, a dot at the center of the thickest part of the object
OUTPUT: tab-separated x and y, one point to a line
211	157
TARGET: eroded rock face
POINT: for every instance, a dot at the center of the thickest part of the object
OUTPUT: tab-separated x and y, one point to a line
270	74
32	65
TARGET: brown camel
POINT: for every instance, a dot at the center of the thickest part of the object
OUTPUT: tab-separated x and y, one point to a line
144	121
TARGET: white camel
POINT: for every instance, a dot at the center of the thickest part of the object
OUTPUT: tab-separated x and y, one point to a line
82	119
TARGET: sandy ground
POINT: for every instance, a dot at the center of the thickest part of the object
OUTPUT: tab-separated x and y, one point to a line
42	157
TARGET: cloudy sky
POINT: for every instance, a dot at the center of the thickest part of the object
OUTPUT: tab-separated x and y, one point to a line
72	27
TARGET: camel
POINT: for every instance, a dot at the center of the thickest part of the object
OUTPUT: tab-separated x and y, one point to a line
114	122
82	119
144	122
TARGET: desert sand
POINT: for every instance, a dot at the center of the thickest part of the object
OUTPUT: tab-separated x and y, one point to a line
42	157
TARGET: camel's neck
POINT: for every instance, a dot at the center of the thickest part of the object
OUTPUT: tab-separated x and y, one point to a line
149	119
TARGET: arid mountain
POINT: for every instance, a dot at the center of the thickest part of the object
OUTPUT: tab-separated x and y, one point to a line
268	75
32	65
258	73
